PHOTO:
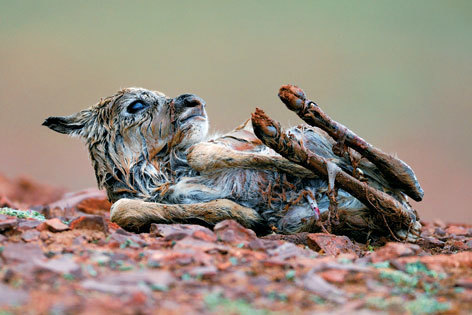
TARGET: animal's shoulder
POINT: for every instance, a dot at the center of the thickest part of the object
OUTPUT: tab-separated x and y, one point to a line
236	149
242	138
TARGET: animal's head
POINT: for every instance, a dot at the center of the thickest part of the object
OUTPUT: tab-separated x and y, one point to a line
135	127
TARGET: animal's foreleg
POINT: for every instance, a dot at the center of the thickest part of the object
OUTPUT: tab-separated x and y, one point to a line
397	172
208	157
137	215
270	132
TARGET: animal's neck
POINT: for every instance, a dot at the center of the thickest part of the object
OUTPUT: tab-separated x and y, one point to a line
144	178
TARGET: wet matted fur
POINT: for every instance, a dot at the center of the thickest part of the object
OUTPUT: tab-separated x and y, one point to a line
157	163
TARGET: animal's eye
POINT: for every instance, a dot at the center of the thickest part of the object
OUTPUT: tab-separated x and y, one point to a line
136	107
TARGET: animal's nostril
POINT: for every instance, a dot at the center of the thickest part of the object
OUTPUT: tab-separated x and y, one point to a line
188	100
192	102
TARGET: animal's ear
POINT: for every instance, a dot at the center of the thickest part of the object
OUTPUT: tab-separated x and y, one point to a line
71	125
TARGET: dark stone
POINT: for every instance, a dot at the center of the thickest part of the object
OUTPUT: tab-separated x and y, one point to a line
8	224
90	222
174	232
332	244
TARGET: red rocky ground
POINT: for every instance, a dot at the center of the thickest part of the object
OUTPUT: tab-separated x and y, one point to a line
78	262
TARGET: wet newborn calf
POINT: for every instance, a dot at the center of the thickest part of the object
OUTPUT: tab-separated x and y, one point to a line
153	156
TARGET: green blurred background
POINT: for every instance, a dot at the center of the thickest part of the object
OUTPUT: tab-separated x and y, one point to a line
398	73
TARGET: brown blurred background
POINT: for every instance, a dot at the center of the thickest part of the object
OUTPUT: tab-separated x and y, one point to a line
399	73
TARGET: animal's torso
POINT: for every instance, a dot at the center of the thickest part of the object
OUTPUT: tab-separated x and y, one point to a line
283	198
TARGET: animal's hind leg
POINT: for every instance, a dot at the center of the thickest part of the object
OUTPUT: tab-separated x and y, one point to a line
397	172
396	215
137	215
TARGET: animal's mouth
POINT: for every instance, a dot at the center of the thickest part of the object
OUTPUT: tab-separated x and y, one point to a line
196	116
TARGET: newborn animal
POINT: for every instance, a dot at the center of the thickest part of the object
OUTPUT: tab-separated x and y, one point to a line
154	157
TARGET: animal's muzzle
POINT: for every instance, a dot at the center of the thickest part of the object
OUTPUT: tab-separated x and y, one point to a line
188	100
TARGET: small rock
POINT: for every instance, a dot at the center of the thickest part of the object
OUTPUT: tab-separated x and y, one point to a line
457	230
14	297
175	232
230	231
131	282
316	284
458	260
439	223
439	231
205	272
44	235
8	224
79	240
28	224
332	244
69	201
30	235
205	235
125	239
289	250
94	205
91	284
171	258
297	239
394	250
53	225
430	242
264	244
469	244
458	245
90	222
200	246
62	265
464	283
19	252
334	276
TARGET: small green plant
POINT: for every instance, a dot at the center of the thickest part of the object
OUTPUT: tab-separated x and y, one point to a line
68	276
90	270
419	267
415	276
317	299
159	287
399	278
276	296
382	303
378	303
22	214
344	261
381	265
186	277
426	305
290	275
217	303
129	243
233	261
125	267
